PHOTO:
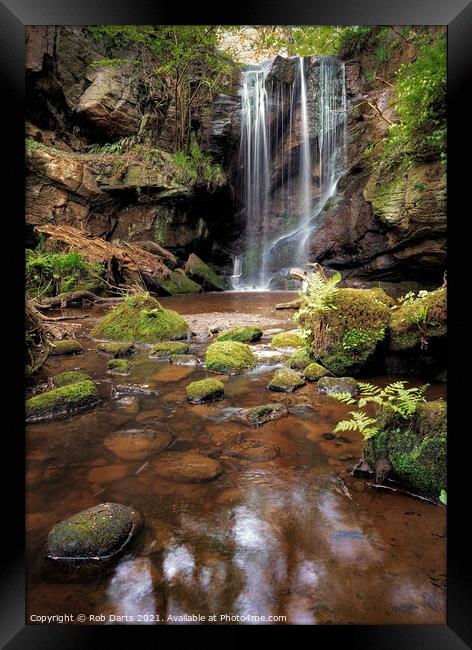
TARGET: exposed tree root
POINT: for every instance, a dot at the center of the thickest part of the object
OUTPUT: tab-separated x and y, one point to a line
72	298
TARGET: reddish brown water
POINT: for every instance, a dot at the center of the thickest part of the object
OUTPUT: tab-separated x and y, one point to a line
274	538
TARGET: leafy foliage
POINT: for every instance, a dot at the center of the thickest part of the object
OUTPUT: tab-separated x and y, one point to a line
53	273
443	497
396	397
195	165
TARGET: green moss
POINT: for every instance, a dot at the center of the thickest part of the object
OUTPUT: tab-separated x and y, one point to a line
141	318
265	413
119	367
242	334
345	336
290	339
415	448
95	532
62	401
293	304
231	357
165	349
314	371
206	276
69	377
67	346
205	390
117	350
286	381
178	282
425	317
300	359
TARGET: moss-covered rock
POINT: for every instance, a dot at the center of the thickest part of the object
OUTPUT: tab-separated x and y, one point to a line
116	350
178	282
265	413
141	318
94	536
418	321
245	334
291	339
330	385
230	357
293	304
203	274
62	401
119	367
165	349
66	346
300	359
314	371
286	381
415	448
205	390
344	337
69	377
184	359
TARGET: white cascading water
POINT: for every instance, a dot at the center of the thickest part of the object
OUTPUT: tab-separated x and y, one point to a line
293	153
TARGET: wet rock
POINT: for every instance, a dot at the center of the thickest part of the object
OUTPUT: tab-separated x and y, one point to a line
178	282
132	390
91	540
293	304
315	371
254	450
187	467
300	359
286	381
119	367
230	357
205	390
203	274
137	444
223	437
165	349
66	346
291	339
69	377
245	334
330	385
62	401
184	359
261	414
117	350
141	318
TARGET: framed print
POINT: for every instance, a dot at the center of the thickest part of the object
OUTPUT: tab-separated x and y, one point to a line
234	303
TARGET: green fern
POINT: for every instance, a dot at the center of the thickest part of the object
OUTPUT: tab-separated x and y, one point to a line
360	422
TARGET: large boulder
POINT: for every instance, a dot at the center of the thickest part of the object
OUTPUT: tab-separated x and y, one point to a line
178	282
344	336
141	318
91	540
419	321
203	274
414	448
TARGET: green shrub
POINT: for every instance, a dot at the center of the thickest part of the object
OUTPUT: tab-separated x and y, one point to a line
52	273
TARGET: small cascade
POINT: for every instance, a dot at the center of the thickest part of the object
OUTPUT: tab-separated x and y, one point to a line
237	273
292	154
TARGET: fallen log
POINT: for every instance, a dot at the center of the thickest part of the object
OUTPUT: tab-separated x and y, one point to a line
70	298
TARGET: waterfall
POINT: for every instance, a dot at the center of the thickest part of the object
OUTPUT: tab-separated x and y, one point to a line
292	155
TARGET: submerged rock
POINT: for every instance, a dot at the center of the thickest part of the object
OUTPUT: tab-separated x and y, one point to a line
69	377
58	402
66	346
330	385
165	349
291	339
261	414
137	444
230	357
119	367
315	371
255	450
205	390
187	467
184	359
286	381
203	274
141	318
91	540
117	350
245	334
120	390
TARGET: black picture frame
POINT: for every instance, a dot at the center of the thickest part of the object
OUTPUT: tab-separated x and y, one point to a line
14	16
